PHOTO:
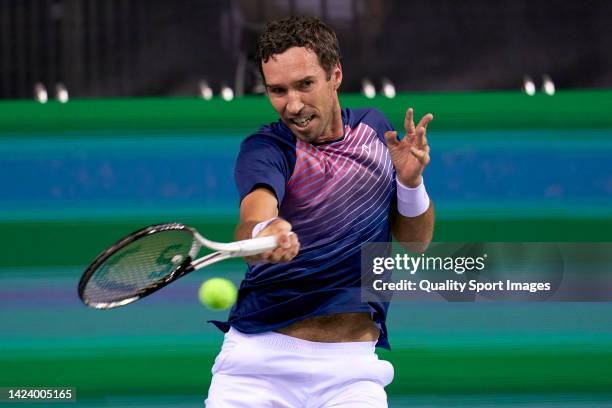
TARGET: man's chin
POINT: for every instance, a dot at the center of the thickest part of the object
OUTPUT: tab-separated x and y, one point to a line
304	135
308	137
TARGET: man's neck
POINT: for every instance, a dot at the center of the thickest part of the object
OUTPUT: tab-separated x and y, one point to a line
336	129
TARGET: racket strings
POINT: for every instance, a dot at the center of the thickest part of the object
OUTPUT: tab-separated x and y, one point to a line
139	265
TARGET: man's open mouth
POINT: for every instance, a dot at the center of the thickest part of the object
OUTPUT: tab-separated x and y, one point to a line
303	121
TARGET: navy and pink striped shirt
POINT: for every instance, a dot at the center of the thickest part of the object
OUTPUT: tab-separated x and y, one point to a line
336	195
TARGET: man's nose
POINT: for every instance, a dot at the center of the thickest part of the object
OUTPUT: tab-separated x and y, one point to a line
294	104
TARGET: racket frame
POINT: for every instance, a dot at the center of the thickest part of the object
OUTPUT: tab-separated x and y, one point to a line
189	264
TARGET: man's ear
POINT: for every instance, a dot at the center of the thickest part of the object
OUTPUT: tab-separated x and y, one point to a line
337	76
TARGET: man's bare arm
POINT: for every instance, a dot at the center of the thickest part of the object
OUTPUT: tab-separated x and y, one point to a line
415	232
410	156
258	206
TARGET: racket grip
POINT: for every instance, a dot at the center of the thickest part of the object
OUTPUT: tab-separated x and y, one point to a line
256	245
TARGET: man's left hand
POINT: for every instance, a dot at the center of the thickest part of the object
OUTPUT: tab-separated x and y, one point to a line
410	155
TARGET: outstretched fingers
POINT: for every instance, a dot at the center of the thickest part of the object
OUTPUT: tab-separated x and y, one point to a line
412	131
409	122
425	120
420	140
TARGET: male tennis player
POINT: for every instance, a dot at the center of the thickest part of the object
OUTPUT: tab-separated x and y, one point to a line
323	180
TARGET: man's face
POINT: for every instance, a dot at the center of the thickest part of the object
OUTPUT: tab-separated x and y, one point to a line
306	101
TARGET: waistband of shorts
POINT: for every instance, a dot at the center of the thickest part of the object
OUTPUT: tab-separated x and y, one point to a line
280	341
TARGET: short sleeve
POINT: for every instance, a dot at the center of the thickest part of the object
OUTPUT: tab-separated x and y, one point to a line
377	120
261	162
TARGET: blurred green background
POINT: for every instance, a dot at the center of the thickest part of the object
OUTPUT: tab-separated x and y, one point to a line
505	167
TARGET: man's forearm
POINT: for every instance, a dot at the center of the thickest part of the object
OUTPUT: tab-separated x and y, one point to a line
258	206
244	230
416	231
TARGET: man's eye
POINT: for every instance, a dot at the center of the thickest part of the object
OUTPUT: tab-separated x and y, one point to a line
306	84
277	91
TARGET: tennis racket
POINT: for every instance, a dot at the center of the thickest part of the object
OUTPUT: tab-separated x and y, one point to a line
151	258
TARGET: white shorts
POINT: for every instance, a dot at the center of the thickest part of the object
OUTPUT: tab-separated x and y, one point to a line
275	370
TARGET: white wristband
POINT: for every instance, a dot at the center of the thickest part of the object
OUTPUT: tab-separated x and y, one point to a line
411	202
261	226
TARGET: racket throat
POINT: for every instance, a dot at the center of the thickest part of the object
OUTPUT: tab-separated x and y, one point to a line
209	259
183	269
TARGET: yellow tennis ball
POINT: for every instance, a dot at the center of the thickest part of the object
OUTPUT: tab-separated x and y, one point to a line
218	293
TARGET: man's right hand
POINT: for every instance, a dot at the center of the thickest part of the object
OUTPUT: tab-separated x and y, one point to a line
288	243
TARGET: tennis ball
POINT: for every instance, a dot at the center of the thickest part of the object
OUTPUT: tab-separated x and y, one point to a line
218	293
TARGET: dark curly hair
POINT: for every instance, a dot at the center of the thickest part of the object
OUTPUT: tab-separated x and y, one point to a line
308	32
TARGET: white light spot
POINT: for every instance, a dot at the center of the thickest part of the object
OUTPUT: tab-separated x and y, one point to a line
528	86
388	89
227	93
548	86
40	93
367	88
61	93
206	91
